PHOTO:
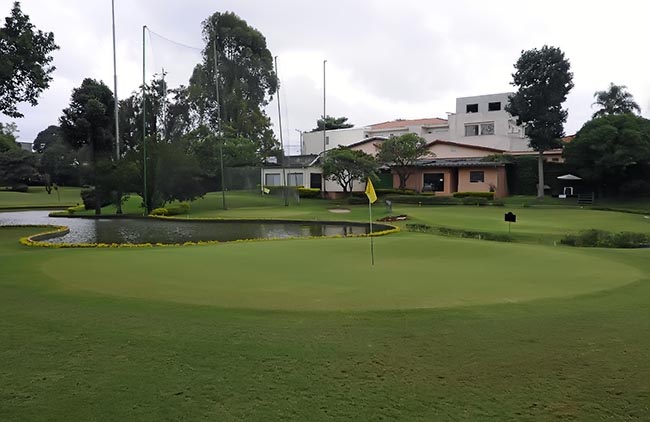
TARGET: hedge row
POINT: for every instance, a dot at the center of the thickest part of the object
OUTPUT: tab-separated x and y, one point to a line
178	209
486	195
603	239
446	231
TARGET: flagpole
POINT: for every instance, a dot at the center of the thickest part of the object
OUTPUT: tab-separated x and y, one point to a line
372	246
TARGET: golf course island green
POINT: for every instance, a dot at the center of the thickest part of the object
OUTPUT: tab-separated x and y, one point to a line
411	271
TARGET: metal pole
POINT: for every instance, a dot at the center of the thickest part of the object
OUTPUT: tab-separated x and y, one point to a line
324	125
372	246
219	134
144	123
285	194
117	121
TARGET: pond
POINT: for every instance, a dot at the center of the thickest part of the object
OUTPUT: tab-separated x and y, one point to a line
139	230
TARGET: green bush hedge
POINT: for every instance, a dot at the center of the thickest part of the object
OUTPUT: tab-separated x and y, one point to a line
309	192
603	239
468	200
446	231
423	199
159	211
486	195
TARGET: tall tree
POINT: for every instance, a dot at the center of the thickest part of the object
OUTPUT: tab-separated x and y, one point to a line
401	152
247	81
89	121
47	136
343	166
543	80
611	150
25	66
332	123
16	165
615	100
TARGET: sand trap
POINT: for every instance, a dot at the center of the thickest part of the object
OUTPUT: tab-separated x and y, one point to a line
339	210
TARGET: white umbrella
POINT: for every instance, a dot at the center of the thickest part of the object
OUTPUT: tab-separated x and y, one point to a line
569	177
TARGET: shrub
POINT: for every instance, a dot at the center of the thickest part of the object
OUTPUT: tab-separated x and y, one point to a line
603	239
178	209
423	199
88	198
468	200
486	195
159	211
636	187
446	231
76	208
309	192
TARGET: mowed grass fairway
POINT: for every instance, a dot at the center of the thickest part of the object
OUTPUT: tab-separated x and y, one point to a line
439	329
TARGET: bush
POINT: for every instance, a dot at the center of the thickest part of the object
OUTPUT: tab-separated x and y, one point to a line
76	208
381	192
446	231
486	195
309	192
468	200
88	198
633	188
423	199
357	200
602	239
159	211
178	209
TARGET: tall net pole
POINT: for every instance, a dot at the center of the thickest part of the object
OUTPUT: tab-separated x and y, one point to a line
219	135
284	173
144	123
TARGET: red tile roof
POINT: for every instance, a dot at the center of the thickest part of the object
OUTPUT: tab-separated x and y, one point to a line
457	144
432	121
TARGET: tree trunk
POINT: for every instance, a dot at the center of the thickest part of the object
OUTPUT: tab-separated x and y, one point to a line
118	204
540	175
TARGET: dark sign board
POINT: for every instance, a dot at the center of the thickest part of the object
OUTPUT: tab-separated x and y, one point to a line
510	217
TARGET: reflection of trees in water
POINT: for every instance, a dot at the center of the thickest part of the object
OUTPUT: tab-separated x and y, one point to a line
155	231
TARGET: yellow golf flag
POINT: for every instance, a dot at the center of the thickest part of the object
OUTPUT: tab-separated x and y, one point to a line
370	192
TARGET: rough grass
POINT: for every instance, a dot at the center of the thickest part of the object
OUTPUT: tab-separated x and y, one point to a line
36	196
509	332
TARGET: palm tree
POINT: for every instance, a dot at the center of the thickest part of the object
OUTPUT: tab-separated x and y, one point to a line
615	100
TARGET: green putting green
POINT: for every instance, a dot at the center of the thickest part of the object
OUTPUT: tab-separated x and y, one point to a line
411	271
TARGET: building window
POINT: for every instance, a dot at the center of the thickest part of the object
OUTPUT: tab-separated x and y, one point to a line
272	179
295	179
487	128
434	182
471	130
471	108
496	106
476	177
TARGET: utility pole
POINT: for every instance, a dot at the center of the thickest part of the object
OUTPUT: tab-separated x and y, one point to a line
285	194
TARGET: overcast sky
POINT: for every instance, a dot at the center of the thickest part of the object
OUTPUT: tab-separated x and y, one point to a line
385	59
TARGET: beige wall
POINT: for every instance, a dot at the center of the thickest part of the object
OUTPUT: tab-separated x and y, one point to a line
494	176
457	180
456	151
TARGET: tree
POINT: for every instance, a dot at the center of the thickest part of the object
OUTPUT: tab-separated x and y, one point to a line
47	136
401	152
16	165
343	166
25	66
332	123
59	161
89	121
543	80
611	151
615	100
247	82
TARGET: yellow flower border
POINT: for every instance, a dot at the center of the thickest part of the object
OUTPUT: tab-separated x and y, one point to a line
37	240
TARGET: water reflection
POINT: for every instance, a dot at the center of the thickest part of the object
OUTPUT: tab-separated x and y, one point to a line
106	230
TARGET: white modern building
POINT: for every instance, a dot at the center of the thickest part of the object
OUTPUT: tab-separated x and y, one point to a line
478	121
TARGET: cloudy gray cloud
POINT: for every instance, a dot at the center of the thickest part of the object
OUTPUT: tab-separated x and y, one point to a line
385	59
